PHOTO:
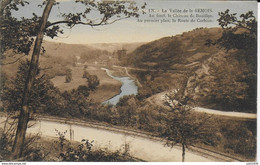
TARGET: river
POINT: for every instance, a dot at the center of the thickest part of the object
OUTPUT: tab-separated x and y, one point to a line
128	88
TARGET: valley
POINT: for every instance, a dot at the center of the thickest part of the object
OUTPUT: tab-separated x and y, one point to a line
81	79
177	62
128	81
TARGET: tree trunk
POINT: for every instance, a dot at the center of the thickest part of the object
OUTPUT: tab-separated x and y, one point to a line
25	112
183	152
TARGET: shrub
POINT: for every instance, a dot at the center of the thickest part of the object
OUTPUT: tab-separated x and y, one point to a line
68	76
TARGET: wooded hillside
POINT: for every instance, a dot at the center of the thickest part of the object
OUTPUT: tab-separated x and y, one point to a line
211	76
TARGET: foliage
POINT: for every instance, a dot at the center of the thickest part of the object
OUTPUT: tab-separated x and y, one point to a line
167	62
238	34
232	87
61	141
224	85
240	87
121	53
215	132
68	76
5	148
126	109
83	90
6	140
93	82
2	82
85	74
244	144
11	35
43	95
242	40
236	136
47	99
32	153
86	152
18	33
76	103
149	55
165	53
92	55
185	127
107	10
7	135
157	120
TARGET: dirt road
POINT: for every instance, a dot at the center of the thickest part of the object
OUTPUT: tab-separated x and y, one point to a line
141	146
158	100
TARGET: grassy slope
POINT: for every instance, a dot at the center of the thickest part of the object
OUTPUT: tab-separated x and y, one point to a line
77	80
107	88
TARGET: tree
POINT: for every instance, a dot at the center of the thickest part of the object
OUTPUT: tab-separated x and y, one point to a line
85	74
25	30
121	54
184	126
10	36
126	108
229	87
68	76
240	34
92	80
25	112
45	98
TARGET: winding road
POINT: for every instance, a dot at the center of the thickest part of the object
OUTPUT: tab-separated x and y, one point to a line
158	99
127	73
142	146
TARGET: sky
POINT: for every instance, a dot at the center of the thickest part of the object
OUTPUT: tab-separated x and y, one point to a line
132	30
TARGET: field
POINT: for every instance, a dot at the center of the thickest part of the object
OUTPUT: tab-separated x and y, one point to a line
106	89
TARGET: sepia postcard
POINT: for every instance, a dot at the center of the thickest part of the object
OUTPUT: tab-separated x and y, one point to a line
128	81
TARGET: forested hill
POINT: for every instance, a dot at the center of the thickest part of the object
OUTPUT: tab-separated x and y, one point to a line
211	76
59	57
180	49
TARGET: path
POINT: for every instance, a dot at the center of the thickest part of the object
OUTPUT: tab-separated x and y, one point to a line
127	73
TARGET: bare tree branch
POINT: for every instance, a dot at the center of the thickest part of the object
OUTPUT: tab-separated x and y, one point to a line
102	22
13	61
47	68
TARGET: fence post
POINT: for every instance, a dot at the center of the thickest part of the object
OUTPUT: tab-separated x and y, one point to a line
71	134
